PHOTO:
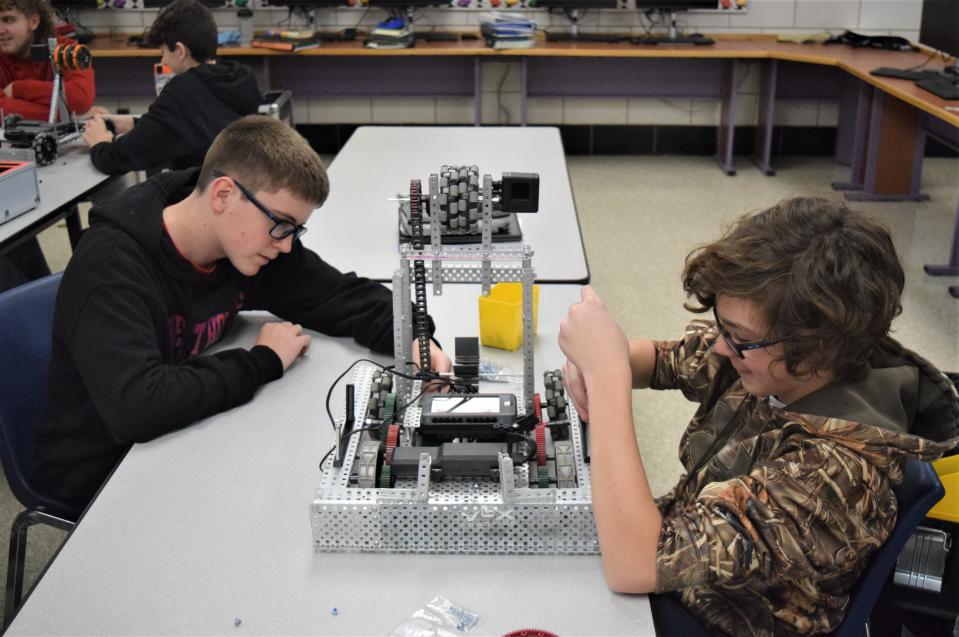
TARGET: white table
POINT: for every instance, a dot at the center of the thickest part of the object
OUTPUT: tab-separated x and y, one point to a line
212	523
71	178
356	229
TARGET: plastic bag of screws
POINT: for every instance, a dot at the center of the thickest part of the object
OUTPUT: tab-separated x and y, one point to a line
438	618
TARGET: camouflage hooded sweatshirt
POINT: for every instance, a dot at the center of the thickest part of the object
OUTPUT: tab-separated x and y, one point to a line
781	506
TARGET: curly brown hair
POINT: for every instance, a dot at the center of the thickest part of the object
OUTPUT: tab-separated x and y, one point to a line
826	278
30	8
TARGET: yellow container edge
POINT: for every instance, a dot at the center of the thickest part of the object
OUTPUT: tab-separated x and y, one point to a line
947	508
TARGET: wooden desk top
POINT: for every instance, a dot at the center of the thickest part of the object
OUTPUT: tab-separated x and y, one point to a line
119	47
739	48
858	62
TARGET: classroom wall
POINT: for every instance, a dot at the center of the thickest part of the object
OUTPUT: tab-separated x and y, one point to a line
500	80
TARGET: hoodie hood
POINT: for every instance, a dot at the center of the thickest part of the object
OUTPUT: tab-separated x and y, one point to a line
230	83
904	405
138	212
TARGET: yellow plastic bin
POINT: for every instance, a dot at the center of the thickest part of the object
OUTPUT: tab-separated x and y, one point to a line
948	507
501	315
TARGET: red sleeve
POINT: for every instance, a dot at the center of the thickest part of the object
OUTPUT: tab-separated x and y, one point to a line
36	91
27	110
78	87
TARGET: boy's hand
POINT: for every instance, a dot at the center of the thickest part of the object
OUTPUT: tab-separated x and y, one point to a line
95	110
576	389
122	123
591	339
439	361
286	339
95	131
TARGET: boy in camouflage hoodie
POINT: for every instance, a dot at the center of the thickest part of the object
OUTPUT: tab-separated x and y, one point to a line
807	412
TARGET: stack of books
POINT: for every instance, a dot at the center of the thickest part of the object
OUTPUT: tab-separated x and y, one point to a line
504	31
395	33
286	40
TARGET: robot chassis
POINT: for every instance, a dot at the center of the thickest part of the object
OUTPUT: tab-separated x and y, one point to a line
428	480
44	138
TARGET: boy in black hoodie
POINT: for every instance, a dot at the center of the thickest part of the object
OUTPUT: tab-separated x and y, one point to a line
192	108
159	277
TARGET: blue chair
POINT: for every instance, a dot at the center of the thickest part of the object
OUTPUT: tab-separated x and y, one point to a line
26	315
918	492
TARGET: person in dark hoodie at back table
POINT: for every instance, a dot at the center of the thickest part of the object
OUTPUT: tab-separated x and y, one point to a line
193	107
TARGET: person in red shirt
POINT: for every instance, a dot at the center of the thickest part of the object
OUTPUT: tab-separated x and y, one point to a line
27	84
26	87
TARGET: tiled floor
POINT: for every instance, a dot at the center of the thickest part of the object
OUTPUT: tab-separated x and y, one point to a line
640	216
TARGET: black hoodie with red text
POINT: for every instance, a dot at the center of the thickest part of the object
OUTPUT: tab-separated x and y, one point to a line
133	318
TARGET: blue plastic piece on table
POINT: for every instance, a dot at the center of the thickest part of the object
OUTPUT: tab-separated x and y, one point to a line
227	37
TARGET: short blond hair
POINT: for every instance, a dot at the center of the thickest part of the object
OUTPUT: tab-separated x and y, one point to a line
263	153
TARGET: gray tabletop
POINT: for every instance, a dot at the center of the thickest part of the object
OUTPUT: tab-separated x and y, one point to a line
69	179
356	229
211	524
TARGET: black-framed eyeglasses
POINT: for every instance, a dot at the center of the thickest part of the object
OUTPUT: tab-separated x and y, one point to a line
740	348
281	227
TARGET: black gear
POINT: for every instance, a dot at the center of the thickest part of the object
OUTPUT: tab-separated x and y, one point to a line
459	199
45	148
556	402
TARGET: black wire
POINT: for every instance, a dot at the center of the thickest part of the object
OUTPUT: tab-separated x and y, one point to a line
653	23
344	437
402	412
425	377
309	17
363	17
329	394
928	60
453	408
428	379
455	387
499	96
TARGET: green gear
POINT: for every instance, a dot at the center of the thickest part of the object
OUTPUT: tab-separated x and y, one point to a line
543	475
385	477
389	408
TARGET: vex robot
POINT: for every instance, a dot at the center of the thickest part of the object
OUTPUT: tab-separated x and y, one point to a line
45	137
419	470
